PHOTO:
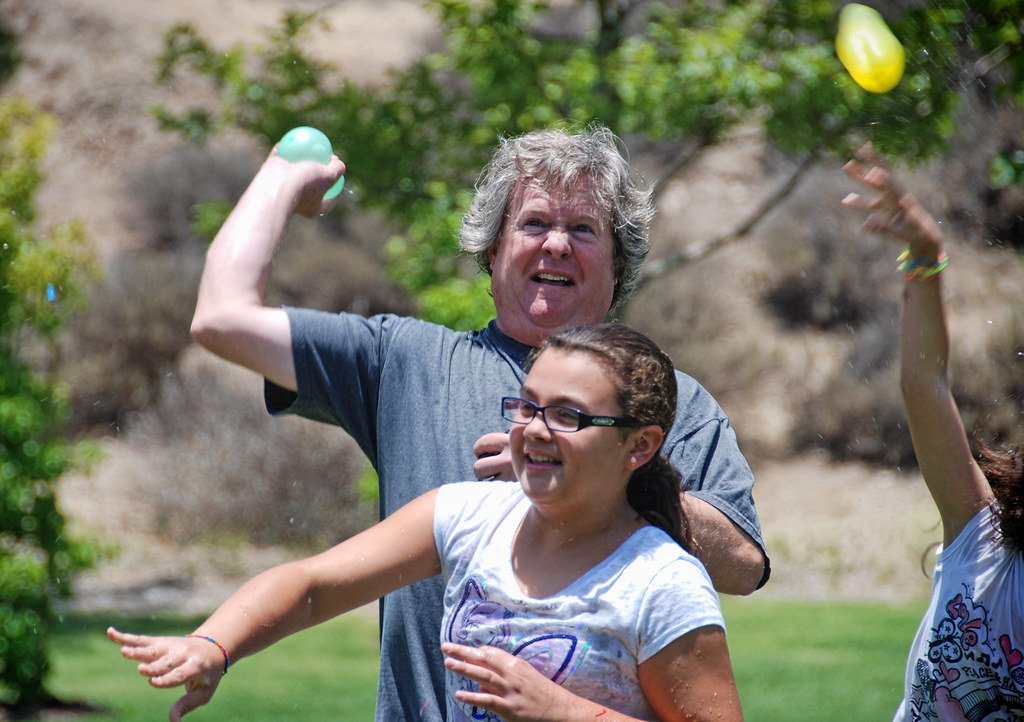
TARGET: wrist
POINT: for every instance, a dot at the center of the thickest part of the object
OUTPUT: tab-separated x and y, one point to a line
922	265
223	650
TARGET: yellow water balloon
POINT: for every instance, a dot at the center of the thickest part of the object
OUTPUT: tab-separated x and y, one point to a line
868	49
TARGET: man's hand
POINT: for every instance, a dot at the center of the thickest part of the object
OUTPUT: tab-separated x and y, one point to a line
493	457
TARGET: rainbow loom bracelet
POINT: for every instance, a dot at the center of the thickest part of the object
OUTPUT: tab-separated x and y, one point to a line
227	659
918	269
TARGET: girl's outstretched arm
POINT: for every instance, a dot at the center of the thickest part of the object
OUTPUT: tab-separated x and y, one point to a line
288	598
954	479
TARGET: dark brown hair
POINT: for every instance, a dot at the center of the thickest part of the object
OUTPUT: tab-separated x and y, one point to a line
1004	469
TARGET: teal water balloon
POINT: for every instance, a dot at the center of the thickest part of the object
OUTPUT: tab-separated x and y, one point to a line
305	143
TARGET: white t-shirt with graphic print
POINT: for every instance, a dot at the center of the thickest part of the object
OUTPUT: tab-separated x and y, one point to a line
967	660
591	636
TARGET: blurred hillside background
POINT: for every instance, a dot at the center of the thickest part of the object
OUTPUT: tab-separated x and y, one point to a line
790	325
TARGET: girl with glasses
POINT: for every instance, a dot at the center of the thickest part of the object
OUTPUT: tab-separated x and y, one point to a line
571	593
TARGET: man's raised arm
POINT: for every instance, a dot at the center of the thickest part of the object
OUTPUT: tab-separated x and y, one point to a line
231	319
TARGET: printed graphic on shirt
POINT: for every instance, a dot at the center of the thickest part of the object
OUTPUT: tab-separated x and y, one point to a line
972	672
552	648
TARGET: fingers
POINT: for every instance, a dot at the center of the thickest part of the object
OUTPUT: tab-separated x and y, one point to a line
868	154
505	685
191	700
494	467
135	640
490	444
462	659
893	212
876	177
460	653
463	652
305	182
136	646
170	661
494	458
478	664
316	181
478	699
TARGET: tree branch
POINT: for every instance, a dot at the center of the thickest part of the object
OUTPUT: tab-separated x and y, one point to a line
656	269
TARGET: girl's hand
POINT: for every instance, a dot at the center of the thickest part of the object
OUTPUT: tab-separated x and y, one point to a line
173	661
892	212
509	687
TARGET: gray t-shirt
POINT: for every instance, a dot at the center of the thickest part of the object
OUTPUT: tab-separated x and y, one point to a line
415	396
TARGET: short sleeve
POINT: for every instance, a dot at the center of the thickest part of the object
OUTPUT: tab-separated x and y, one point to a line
679	599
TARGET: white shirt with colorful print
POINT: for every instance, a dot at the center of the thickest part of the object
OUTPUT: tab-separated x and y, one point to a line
967	660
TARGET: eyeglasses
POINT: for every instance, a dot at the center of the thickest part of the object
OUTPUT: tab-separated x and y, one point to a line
556	418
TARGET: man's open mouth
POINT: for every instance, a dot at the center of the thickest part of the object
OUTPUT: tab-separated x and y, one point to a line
552	279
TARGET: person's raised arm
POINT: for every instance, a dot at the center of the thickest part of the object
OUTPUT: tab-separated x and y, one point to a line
230	317
288	598
954	479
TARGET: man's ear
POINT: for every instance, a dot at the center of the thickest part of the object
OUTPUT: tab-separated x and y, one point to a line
492	252
645	443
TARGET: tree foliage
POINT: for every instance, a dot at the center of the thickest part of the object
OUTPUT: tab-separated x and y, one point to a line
39	282
681	74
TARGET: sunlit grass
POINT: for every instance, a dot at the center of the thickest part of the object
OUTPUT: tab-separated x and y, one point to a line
794	662
325	673
797	662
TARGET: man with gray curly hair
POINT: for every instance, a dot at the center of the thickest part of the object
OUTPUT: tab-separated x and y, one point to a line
561	224
557	162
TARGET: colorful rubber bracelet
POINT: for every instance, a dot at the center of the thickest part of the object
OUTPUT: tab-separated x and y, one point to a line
227	659
920	269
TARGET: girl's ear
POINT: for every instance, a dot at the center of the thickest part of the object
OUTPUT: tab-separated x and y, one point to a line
644	443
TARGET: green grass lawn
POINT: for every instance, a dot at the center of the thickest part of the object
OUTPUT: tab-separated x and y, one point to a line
325	673
793	662
834	662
